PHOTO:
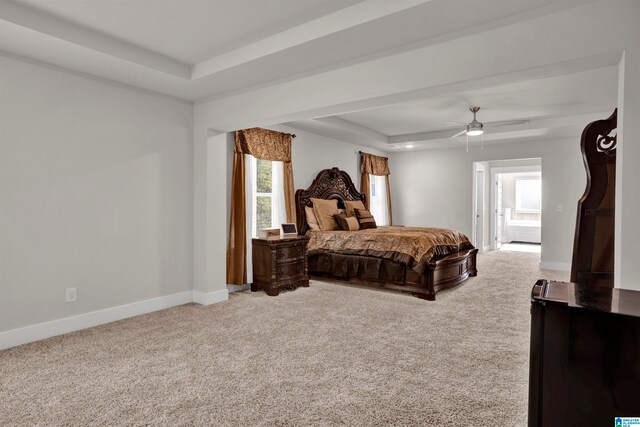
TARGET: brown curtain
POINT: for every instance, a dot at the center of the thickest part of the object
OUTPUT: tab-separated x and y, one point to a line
237	243
374	165
365	188
266	145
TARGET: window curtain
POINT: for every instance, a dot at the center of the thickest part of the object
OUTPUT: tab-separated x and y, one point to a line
262	144
374	165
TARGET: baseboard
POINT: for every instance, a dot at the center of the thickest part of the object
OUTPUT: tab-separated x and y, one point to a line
238	288
53	328
486	248
558	266
208	298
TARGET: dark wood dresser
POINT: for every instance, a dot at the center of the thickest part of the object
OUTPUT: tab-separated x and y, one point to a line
585	355
279	264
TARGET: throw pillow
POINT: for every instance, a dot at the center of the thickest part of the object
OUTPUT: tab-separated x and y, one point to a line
324	210
347	223
365	219
352	205
312	222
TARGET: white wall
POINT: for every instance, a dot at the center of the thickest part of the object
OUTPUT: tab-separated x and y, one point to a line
434	188
312	152
96	191
627	242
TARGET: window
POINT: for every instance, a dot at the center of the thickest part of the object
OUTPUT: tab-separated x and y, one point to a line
378	202
265	195
528	195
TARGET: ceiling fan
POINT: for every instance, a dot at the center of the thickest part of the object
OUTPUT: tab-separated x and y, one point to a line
475	128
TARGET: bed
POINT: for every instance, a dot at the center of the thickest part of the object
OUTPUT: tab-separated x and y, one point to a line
401	266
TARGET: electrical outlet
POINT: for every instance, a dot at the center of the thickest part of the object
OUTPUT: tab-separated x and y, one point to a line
72	294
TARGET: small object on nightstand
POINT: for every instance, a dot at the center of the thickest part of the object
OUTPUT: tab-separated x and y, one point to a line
279	264
289	230
269	233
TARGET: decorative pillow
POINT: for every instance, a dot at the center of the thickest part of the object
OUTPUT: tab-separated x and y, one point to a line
365	219
347	223
312	222
352	205
324	210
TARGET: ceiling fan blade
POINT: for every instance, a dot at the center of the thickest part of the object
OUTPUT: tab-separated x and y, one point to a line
456	123
509	123
462	132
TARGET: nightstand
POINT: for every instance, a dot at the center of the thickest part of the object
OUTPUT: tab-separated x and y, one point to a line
279	264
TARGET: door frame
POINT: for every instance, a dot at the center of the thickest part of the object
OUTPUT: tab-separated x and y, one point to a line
478	167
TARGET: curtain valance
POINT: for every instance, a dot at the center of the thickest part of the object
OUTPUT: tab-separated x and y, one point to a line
264	144
374	165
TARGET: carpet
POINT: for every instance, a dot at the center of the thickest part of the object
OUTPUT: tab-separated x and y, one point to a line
325	355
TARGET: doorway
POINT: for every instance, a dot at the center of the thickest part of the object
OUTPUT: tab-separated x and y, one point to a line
516	205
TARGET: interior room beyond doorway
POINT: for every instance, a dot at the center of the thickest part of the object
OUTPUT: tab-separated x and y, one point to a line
507	205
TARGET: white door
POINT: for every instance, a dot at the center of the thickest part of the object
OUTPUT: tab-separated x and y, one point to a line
479	211
499	212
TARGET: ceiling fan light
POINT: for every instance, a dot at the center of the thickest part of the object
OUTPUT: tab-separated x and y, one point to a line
474	132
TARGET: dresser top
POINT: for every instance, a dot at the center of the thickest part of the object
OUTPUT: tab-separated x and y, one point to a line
588	297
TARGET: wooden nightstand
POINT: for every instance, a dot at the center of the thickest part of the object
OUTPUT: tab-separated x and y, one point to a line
279	264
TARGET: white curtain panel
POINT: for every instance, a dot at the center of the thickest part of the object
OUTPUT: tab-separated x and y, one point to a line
279	214
378	203
250	191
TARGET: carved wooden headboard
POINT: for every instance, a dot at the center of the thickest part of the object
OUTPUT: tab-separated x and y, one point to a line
329	184
593	244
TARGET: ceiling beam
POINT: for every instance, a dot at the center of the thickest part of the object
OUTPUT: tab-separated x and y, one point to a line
22	16
335	129
340	20
500	132
529	136
499	79
354	128
527	51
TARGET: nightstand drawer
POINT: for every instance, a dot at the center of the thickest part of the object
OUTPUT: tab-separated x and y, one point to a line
291	270
290	253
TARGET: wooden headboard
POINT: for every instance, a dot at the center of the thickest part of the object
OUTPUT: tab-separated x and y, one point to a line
328	184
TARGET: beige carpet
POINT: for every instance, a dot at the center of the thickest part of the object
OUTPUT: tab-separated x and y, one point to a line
325	355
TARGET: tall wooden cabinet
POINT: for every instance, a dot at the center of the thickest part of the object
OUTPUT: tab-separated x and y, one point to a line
595	224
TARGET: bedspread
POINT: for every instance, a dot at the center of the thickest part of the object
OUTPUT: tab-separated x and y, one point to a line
412	246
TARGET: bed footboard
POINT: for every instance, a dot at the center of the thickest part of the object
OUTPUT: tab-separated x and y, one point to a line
447	272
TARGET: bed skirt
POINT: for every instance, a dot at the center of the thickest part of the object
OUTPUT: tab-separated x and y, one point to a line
344	267
443	272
